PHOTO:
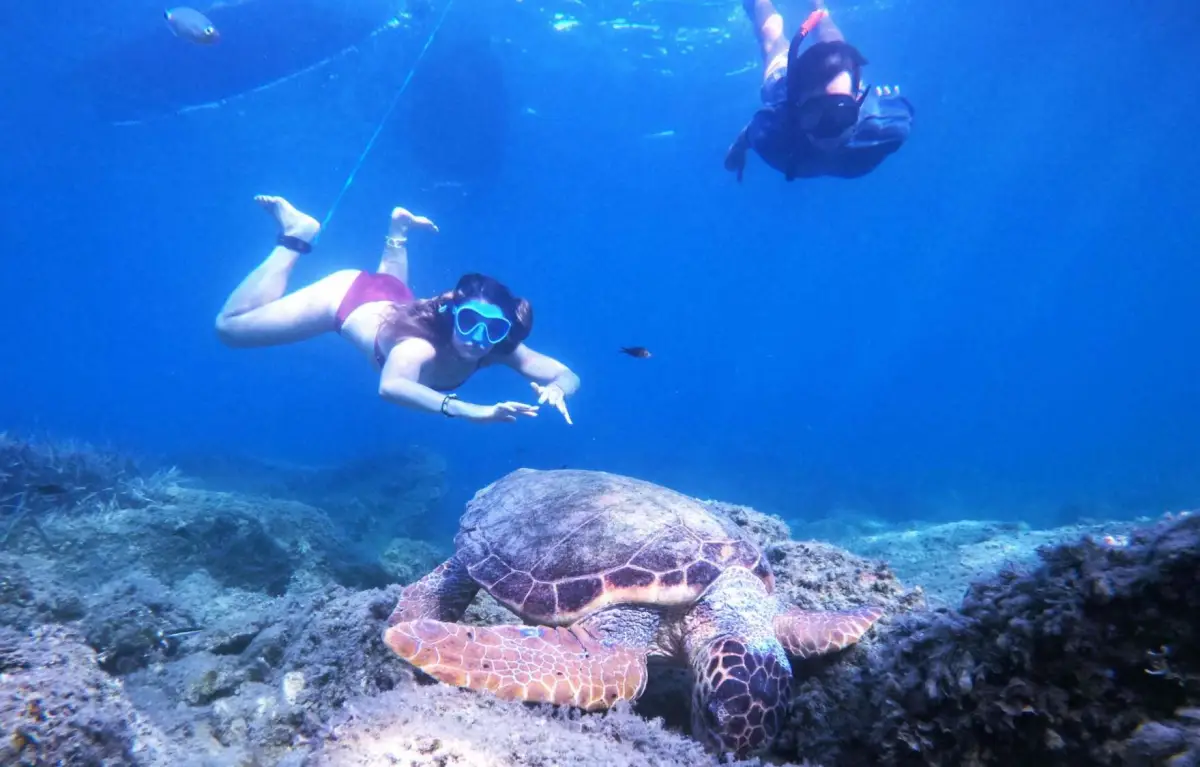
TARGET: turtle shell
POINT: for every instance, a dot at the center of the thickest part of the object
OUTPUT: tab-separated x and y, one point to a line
554	546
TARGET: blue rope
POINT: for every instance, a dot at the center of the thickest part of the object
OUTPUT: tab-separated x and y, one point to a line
383	121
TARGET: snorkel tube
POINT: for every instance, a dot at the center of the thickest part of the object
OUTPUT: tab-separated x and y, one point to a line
811	71
810	23
821	62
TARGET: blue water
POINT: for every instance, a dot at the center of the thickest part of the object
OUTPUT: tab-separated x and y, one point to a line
999	321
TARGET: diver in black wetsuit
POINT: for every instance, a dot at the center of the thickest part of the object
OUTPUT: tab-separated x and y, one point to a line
818	119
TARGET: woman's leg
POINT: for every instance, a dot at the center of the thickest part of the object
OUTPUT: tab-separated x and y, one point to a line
394	260
827	31
258	314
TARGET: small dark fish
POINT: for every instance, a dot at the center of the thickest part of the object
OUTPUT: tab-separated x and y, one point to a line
640	352
190	24
51	489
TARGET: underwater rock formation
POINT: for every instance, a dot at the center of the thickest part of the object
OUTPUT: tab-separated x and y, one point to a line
819	576
375	498
146	621
408	559
438	727
165	624
37	478
57	707
946	557
1065	664
1175	743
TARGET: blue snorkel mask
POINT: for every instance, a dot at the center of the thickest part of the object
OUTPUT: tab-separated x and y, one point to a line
481	323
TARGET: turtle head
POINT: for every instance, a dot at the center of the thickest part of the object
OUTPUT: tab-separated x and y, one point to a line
742	680
740	702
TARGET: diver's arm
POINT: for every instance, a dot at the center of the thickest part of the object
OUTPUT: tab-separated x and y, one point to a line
735	158
883	127
541	369
400	384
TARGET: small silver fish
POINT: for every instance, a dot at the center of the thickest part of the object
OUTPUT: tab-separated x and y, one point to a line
190	24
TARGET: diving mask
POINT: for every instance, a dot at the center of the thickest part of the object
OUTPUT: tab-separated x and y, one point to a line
479	322
829	115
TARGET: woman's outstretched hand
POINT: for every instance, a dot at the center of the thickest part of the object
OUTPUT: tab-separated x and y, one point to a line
403	220
505	412
554	396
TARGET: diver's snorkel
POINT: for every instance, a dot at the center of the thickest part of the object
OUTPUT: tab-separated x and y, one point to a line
806	28
822	61
812	116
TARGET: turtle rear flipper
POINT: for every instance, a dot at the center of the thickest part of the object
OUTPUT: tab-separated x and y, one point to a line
530	663
806	634
444	594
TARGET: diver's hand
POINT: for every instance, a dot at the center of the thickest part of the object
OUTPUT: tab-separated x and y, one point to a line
887	90
403	220
504	412
735	159
553	395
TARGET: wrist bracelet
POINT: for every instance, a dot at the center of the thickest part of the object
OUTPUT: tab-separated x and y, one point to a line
395	242
446	404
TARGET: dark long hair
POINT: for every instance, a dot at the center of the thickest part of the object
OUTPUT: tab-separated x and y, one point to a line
433	320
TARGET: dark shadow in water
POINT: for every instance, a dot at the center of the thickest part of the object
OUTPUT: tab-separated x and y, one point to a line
455	116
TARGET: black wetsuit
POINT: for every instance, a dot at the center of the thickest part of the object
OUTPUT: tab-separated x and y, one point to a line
883	125
880	127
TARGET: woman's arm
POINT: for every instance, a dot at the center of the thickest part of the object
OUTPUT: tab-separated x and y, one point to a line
400	384
552	380
541	369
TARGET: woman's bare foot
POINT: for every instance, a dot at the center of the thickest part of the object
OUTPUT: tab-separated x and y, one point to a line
403	220
292	223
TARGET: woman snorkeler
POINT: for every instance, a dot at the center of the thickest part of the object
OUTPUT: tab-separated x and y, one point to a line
423	347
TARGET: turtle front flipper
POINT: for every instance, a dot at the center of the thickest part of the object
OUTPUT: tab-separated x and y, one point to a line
445	593
538	664
805	633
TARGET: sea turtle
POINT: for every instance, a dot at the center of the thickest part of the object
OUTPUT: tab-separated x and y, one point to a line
613	571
